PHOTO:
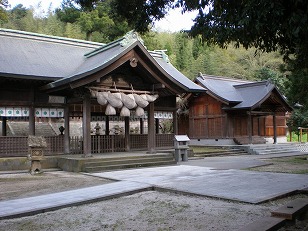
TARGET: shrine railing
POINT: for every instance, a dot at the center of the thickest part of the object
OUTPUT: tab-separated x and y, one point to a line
12	146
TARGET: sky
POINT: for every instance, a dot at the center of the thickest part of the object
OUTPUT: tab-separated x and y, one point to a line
173	22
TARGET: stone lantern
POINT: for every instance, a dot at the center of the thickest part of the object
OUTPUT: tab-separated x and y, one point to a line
37	144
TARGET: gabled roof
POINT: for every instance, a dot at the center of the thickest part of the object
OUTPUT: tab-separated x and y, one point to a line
64	61
242	94
37	56
106	55
221	87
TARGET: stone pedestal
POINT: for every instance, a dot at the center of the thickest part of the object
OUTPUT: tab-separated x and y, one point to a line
36	167
36	155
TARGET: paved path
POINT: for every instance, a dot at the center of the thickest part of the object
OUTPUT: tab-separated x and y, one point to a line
189	177
239	185
236	162
49	202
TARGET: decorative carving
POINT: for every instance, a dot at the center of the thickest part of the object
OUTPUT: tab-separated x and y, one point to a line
130	38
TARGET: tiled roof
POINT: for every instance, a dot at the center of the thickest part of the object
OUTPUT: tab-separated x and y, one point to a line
64	60
239	94
40	56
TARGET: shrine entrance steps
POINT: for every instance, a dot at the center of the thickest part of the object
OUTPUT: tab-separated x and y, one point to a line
243	140
222	152
283	148
115	161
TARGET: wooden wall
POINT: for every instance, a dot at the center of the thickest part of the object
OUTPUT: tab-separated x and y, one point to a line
207	120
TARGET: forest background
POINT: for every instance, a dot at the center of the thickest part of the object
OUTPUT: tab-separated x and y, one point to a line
188	54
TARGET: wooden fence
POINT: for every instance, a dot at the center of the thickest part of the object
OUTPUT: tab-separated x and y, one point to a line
12	146
17	146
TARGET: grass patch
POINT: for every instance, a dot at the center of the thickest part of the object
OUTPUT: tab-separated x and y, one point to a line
293	160
293	165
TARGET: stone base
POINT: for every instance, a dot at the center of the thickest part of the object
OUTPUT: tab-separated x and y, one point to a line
36	167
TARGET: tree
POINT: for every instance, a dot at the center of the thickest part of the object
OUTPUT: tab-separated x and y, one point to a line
265	25
93	16
3	16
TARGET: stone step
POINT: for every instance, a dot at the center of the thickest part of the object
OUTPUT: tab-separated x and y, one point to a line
272	149
22	129
118	161
276	152
221	153
245	140
130	165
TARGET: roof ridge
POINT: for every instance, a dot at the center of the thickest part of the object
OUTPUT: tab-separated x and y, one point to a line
218	77
160	54
48	38
128	39
257	83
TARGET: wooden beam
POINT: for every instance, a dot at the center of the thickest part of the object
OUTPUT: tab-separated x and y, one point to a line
156	126
156	76
86	125
141	125
121	90
67	130
31	120
175	123
4	126
151	129
275	128
127	143
107	131
249	127
92	78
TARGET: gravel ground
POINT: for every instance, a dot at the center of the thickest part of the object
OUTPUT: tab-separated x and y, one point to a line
147	211
13	186
142	211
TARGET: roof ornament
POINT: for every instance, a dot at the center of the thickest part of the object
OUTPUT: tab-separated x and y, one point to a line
163	54
201	75
131	37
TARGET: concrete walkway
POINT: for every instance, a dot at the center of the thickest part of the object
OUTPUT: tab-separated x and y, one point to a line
190	177
239	185
49	202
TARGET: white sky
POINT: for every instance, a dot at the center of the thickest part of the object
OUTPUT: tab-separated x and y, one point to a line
175	21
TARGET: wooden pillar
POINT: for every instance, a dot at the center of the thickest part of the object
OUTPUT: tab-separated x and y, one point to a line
151	129
107	132
259	126
4	126
86	125
274	128
67	130
156	126
249	126
141	125
175	123
127	143
300	134
31	120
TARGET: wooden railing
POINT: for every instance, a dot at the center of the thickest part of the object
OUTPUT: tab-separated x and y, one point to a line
17	146
12	146
138	141
164	140
111	143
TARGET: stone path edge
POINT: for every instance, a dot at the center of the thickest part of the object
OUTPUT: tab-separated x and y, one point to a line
77	203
